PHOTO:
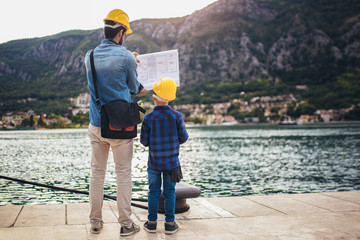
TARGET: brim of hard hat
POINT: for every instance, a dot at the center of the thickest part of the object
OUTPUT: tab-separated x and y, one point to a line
128	31
167	98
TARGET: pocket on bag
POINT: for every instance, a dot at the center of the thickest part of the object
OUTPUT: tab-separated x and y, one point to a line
122	114
127	129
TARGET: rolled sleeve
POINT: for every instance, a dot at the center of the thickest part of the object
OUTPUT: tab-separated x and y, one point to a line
131	75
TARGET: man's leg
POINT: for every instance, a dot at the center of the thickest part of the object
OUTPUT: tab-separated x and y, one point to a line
123	151
99	157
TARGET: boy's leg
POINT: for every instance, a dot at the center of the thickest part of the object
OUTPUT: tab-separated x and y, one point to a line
169	195
154	178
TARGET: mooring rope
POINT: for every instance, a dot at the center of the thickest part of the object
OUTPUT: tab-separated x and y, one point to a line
74	190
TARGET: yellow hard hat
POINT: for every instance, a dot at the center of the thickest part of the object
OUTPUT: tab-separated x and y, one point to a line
118	15
165	88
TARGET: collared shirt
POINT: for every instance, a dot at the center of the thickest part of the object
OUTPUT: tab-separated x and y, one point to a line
117	77
163	130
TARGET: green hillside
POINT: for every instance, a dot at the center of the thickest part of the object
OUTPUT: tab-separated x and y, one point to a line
260	47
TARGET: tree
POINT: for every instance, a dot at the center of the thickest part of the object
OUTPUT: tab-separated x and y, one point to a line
291	110
232	108
26	122
80	118
305	109
259	112
31	120
196	120
353	114
41	122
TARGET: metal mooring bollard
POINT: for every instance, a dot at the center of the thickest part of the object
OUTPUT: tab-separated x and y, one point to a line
182	192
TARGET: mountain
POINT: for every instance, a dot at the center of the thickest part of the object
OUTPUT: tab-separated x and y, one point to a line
232	43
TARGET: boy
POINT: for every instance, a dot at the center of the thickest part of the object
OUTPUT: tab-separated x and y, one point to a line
163	130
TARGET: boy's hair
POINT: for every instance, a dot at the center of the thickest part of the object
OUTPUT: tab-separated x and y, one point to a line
109	32
160	99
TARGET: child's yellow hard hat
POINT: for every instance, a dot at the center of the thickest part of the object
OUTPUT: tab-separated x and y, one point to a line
165	88
118	15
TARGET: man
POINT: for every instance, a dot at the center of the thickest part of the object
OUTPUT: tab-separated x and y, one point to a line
117	80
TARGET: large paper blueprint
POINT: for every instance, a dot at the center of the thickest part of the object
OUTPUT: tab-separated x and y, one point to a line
154	66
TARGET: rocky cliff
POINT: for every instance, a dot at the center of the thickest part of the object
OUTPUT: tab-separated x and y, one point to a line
242	40
299	41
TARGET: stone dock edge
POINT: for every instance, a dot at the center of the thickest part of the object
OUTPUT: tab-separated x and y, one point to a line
326	215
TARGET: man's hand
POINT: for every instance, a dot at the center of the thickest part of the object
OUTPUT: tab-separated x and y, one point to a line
136	55
142	92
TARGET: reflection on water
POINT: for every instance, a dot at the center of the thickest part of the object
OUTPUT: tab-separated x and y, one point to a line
221	160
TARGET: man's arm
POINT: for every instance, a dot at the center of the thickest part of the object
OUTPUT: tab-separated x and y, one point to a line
142	92
136	88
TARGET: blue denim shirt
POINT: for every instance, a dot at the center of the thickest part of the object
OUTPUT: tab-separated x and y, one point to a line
117	76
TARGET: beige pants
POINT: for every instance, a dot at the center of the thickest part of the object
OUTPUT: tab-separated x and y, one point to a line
122	150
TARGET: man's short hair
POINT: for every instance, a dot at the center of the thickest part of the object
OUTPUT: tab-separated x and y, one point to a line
109	32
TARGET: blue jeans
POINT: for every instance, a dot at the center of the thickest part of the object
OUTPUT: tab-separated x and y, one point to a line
154	178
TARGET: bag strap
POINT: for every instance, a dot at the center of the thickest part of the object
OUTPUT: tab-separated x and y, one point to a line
93	71
95	80
141	109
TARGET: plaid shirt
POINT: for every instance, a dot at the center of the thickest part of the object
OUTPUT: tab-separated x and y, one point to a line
163	130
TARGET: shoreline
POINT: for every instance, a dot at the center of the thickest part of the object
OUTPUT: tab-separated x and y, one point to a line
205	125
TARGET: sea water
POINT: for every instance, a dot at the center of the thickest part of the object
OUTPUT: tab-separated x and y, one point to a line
221	160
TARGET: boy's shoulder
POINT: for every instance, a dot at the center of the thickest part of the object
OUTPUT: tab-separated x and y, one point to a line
177	112
174	112
149	115
168	110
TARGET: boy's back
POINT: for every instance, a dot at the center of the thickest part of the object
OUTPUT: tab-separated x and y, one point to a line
163	130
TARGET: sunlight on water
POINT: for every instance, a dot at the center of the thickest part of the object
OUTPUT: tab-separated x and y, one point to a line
221	160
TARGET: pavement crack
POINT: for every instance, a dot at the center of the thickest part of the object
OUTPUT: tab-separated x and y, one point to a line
66	218
277	210
13	224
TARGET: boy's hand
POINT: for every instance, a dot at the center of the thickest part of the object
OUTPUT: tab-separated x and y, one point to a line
176	175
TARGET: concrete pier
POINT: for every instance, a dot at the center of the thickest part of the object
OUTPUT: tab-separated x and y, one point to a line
328	215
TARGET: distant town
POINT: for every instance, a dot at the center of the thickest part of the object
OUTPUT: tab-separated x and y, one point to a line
258	109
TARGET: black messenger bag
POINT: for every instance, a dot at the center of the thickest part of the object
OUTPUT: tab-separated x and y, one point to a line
118	118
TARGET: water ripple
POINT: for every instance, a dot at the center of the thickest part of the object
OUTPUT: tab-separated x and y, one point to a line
221	160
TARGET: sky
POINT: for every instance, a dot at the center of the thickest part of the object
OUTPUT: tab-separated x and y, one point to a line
38	18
